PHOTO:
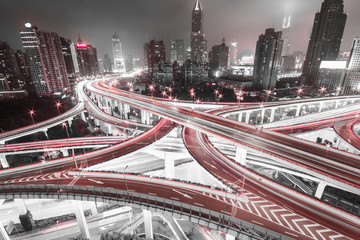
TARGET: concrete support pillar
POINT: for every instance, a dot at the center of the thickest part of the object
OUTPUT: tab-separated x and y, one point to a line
2	201
20	204
93	208
46	134
272	114
70	122
337	104
262	115
240	156
247	117
240	117
108	128
321	105
82	115
229	237
3	234
4	162
298	108
148	224
169	167
97	122
65	152
147	118
80	218
320	189
143	117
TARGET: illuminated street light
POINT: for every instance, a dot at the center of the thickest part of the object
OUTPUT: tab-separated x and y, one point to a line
170	91
58	104
322	90
192	94
219	97
268	92
338	89
198	100
32	112
151	88
299	91
64	125
164	93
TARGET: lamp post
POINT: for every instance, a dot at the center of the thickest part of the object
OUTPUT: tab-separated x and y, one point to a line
322	90
192	94
32	112
239	96
268	92
58	104
219	97
299	91
151	88
64	125
216	94
170	91
338	89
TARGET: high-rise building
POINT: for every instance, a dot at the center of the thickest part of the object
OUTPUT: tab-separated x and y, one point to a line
155	54
286	44
198	42
87	58
325	40
331	75
66	46
24	71
352	79
119	63
9	69
177	51
267	59
219	58
45	59
107	64
129	66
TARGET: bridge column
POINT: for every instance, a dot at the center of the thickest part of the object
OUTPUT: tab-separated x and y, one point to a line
262	115
82	115
337	103
108	128
93	208
320	189
97	122
3	234
46	134
321	105
65	152
240	156
148	224
80	218
298	108
70	122
240	117
247	117
272	114
4	162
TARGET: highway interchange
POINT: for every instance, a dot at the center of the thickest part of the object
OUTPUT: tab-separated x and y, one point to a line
260	203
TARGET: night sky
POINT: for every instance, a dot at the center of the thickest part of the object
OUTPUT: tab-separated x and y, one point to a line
139	20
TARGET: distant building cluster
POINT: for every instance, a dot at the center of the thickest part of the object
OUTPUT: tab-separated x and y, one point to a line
50	63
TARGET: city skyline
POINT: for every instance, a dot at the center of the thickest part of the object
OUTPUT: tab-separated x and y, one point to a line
139	21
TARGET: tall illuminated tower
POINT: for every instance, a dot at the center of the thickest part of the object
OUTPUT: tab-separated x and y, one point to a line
325	40
198	43
119	63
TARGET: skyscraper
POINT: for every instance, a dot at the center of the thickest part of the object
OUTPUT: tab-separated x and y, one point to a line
219	57
286	43
9	69
267	59
87	58
119	63
352	80
325	40
45	59
107	64
155	54
198	43
177	51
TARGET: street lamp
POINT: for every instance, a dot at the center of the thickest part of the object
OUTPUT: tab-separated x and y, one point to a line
151	88
216	93
164	93
300	91
322	90
64	125
239	96
338	89
268	92
32	112
219	97
58	104
170	91
192	94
